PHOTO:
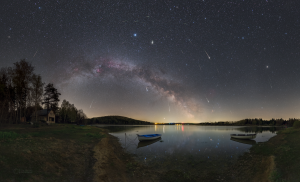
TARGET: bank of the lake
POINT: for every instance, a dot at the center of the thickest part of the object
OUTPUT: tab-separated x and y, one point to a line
277	160
47	153
87	153
64	152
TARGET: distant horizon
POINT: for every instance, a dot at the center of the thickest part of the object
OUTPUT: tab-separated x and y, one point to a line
194	122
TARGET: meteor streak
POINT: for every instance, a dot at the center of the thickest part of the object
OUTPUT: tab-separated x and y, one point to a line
91	104
207	99
35	53
207	55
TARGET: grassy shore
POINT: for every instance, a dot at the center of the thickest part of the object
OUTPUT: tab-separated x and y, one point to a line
84	153
66	153
276	160
48	153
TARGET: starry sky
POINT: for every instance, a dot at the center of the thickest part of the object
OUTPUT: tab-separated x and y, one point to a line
162	60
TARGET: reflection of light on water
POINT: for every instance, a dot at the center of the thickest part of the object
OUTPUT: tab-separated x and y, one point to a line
212	145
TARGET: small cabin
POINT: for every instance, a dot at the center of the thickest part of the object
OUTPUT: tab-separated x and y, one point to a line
44	115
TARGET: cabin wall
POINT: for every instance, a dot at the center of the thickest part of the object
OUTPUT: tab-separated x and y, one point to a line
51	117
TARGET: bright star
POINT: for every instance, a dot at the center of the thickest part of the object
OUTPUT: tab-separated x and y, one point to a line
152	42
267	66
134	34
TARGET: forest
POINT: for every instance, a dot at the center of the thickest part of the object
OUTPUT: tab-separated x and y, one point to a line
23	93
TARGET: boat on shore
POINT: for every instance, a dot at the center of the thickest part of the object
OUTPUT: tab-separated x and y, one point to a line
147	142
243	136
148	137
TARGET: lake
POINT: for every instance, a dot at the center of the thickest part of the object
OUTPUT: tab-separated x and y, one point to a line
189	148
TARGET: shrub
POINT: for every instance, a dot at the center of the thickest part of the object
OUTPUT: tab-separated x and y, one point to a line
296	124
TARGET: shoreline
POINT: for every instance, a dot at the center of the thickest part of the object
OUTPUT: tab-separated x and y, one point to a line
255	165
91	153
111	157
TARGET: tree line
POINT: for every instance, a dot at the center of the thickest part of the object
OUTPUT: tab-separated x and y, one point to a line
22	94
256	121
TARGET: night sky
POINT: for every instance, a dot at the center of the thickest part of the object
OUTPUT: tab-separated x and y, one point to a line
160	60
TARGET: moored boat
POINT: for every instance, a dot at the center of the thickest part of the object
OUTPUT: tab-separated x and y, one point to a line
243	136
148	137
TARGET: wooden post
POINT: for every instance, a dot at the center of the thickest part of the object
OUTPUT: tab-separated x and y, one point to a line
125	140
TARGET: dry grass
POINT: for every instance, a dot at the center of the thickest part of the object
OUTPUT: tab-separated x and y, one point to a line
55	153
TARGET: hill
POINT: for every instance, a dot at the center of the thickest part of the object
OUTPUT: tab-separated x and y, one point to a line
119	120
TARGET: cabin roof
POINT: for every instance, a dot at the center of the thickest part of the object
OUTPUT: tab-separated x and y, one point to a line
43	112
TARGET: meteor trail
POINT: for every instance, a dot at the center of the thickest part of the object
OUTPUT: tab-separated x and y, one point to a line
91	104
207	55
35	53
207	99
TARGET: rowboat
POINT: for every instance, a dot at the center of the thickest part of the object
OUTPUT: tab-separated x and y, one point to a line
249	142
243	136
147	142
148	137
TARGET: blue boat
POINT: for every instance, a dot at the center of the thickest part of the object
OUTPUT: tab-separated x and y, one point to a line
148	137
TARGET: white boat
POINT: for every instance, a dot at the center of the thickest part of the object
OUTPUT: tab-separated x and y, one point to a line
243	136
148	137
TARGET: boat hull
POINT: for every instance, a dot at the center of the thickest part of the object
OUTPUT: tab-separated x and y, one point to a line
243	136
148	137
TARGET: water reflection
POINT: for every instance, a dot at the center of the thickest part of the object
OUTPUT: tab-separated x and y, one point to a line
189	147
250	142
146	143
262	129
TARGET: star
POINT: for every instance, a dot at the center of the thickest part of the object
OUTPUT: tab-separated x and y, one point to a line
134	34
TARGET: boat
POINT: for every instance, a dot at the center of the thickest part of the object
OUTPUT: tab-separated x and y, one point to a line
147	142
249	142
243	136
148	137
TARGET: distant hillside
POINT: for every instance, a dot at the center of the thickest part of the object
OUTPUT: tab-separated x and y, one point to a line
120	120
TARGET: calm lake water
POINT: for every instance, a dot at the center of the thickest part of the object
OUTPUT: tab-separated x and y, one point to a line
183	147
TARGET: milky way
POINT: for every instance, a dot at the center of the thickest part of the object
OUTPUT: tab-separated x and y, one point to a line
156	80
162	61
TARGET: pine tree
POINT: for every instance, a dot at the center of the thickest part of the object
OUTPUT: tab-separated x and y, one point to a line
51	97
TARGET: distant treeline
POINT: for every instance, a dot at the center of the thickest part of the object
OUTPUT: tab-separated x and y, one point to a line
119	120
255	121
